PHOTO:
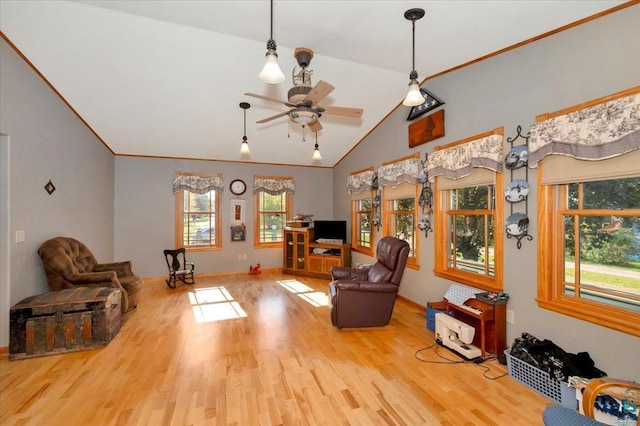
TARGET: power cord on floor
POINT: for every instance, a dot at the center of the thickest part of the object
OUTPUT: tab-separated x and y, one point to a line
479	362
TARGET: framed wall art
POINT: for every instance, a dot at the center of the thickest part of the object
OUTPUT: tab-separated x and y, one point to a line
237	212
431	102
238	233
426	129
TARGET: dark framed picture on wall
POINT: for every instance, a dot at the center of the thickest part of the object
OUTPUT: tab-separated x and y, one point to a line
431	102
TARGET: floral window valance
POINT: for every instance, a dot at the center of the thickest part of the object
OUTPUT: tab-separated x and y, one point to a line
359	182
272	185
198	184
602	131
394	174
460	159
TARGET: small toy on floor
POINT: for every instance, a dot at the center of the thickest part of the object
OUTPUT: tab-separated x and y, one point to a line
254	270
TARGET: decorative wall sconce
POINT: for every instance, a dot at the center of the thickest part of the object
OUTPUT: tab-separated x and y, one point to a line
50	187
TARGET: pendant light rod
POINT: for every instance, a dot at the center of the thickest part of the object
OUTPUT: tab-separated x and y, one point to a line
316	151
271	72
414	97
244	147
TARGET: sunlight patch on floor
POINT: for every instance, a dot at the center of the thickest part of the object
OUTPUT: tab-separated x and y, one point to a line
306	293
214	304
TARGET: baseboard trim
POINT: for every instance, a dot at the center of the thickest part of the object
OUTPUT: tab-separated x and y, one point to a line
412	303
217	274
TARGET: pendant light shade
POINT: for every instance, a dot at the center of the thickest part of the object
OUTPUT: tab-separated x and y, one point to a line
271	72
316	151
244	148
414	96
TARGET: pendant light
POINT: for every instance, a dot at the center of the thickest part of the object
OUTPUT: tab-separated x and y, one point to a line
244	148
271	72
414	97
316	151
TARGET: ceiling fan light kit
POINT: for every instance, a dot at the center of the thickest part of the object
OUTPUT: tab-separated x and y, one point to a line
244	148
303	98
271	72
414	97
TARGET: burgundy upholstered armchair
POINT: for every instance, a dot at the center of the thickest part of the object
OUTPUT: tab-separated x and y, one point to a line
365	297
68	263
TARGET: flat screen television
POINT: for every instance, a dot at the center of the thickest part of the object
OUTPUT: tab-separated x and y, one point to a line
330	230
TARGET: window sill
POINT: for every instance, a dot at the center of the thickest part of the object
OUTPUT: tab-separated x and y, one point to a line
596	313
362	250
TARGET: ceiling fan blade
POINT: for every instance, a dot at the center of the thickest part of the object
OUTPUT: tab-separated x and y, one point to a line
273	117
255	95
319	92
343	111
315	126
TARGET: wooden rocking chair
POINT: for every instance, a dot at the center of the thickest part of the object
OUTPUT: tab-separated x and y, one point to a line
179	268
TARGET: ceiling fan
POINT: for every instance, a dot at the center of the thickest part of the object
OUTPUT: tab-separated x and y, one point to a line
303	98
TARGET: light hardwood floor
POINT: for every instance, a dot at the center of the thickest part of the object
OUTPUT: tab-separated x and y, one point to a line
281	362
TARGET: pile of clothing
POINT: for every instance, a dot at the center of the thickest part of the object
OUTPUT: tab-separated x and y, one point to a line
549	357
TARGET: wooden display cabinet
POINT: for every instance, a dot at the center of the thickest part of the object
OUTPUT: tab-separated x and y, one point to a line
296	243
300	259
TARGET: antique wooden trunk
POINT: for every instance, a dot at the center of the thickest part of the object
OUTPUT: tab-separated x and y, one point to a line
64	321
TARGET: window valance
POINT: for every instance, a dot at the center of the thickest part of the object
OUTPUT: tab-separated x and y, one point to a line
198	184
606	130
393	174
459	159
360	181
273	185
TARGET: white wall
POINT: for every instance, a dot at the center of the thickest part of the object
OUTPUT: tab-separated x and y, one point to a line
587	62
144	205
48	142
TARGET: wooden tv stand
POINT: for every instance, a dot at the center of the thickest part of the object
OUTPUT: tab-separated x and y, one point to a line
300	259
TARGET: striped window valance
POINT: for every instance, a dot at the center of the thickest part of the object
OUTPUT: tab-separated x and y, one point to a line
597	132
360	181
272	185
198	184
394	173
459	159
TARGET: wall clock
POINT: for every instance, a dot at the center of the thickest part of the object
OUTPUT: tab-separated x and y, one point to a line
237	187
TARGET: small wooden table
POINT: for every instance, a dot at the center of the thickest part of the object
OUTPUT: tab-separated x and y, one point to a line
489	320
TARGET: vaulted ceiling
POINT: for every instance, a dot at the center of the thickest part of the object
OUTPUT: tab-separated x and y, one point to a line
165	78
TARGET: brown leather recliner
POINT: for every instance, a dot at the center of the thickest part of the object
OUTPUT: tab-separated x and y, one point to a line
365	297
67	263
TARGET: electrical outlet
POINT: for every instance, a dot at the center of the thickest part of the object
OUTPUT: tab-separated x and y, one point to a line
20	237
244	257
239	257
510	316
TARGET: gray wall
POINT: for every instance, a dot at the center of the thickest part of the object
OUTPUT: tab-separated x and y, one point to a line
47	141
587	62
144	205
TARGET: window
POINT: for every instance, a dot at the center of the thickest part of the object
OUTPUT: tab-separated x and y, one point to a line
595	251
197	200
402	223
360	185
398	180
468	211
273	206
471	239
362	230
589	211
